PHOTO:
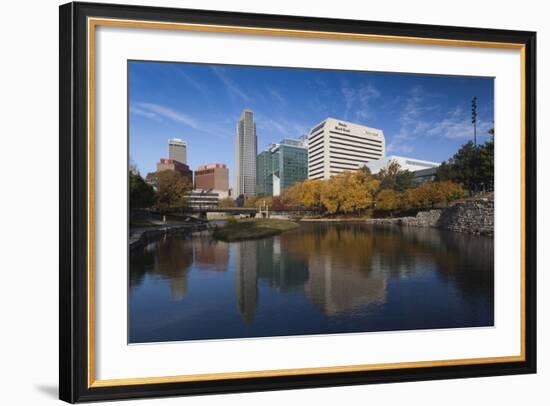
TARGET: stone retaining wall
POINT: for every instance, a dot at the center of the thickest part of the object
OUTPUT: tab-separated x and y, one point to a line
474	216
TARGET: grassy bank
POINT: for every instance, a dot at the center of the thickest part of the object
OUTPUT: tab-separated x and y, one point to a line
238	230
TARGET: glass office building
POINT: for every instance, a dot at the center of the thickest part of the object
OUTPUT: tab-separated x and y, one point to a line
281	166
264	174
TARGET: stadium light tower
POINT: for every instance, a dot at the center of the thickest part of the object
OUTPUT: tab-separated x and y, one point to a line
474	118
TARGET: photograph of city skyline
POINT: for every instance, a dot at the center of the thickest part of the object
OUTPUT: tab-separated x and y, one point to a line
273	201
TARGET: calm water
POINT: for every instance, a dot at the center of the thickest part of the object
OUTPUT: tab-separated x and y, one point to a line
321	278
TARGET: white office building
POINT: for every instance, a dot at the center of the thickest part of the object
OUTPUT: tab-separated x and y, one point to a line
406	164
246	146
335	146
177	150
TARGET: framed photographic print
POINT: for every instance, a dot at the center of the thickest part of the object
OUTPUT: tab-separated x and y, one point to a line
255	202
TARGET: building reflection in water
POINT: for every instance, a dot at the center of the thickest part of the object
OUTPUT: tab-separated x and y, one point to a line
335	289
169	258
174	258
319	278
210	255
342	271
333	268
246	278
282	272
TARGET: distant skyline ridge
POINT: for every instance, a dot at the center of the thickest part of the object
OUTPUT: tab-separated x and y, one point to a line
425	117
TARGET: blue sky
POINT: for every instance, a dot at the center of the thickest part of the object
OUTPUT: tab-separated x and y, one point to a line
422	116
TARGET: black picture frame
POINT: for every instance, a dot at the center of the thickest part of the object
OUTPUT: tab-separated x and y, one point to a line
74	199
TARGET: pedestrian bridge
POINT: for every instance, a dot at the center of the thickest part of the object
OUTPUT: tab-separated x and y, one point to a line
234	210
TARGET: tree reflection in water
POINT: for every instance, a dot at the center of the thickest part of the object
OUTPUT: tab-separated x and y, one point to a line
319	278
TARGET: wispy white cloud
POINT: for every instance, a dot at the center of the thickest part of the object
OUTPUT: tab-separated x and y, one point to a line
197	85
457	125
143	113
169	113
217	130
421	117
159	113
411	123
366	94
284	128
399	147
349	99
277	96
359	100
232	88
322	87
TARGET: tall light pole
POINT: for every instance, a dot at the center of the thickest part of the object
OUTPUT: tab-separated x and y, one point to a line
474	122
474	118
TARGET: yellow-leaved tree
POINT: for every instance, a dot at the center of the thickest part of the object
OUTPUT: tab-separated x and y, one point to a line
450	191
389	200
430	194
306	194
348	192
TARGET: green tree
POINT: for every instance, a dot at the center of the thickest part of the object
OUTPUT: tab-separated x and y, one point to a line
461	167
486	165
172	189
365	170
472	166
142	195
393	177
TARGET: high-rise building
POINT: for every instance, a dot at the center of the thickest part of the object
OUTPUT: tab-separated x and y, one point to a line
264	174
213	177
335	146
281	166
177	150
246	146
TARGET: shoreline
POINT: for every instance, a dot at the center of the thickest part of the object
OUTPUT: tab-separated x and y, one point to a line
141	236
325	220
474	217
252	229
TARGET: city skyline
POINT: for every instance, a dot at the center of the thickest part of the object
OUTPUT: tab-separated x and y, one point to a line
201	104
